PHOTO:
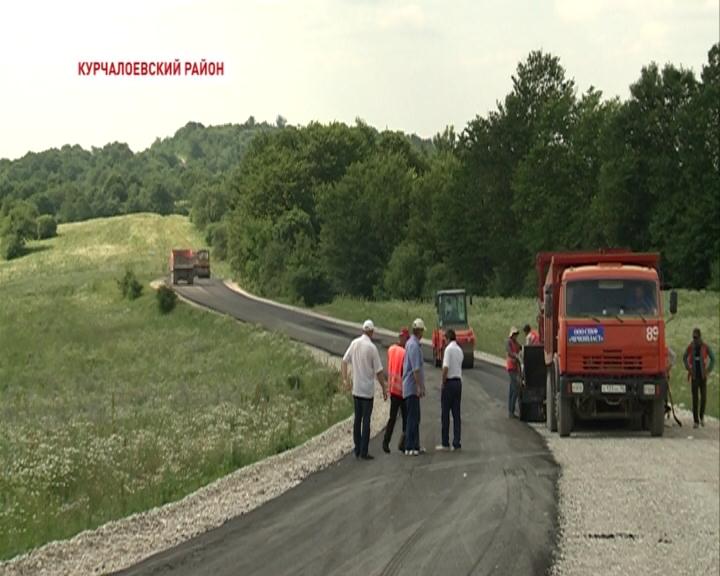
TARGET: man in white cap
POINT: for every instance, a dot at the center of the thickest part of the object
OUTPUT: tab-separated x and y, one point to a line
364	357
413	387
512	364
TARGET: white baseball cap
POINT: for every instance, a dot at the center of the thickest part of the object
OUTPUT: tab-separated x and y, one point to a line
418	324
368	326
514	330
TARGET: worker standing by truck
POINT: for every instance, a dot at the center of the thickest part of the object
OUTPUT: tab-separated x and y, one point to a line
512	364
531	336
395	357
699	361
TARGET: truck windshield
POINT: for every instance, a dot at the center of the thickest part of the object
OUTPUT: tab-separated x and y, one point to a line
611	297
452	309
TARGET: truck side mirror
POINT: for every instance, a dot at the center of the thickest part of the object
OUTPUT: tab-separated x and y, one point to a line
673	302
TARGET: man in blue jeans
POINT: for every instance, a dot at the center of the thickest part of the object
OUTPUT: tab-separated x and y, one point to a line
413	387
451	392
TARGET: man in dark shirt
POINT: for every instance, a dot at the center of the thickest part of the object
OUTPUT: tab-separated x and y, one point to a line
699	361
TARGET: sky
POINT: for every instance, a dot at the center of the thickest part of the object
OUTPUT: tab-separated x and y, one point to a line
415	66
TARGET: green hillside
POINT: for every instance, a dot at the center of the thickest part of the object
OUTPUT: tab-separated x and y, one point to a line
108	407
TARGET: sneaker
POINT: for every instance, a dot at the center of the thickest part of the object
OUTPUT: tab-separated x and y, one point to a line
421	451
695	425
702	422
456	448
408	452
441	448
386	449
367	457
416	452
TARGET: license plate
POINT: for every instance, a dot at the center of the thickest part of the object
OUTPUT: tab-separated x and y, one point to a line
613	388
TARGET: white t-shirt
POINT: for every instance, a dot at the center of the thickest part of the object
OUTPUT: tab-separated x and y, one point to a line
364	358
453	359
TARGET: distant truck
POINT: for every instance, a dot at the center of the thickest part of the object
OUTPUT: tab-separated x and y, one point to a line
451	307
202	263
186	264
603	333
182	265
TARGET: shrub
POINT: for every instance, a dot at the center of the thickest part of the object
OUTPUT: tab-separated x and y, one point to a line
129	286
46	227
166	299
12	246
309	284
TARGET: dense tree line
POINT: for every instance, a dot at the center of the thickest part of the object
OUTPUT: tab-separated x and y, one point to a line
72	184
333	209
309	212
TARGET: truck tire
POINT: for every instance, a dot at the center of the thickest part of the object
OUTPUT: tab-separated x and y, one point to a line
657	417
565	416
550	416
468	360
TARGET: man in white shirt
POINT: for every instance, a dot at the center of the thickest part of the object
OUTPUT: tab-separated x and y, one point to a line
364	358
451	392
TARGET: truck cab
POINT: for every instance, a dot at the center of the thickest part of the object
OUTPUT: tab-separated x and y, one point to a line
451	308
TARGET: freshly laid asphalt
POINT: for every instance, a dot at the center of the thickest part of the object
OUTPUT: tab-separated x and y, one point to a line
487	509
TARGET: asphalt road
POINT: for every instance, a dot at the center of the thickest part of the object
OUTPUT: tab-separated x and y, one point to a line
488	509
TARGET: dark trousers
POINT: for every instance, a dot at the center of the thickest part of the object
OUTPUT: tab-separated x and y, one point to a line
396	404
700	385
450	402
361	426
513	391
412	429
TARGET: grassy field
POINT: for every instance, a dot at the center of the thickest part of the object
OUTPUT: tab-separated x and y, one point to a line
491	319
108	407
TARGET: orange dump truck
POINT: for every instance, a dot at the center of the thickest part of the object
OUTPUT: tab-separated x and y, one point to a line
603	331
202	263
182	265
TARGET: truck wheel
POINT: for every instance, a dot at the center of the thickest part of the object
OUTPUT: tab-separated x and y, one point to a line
550	417
565	417
468	360
657	417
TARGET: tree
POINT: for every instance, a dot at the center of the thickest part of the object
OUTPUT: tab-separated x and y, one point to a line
363	218
405	273
46	227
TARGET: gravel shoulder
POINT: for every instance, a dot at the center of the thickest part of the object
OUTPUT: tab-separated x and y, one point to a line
631	504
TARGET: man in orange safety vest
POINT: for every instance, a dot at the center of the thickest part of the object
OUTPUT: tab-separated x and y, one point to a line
395	358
